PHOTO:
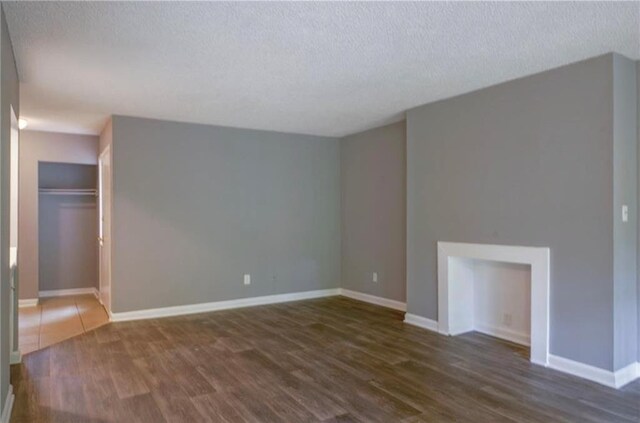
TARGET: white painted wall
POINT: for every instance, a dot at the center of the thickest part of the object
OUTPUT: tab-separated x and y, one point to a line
502	299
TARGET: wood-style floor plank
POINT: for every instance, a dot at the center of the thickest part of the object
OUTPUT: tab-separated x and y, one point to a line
325	360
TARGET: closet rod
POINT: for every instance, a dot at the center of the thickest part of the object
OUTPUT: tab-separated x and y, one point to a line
52	191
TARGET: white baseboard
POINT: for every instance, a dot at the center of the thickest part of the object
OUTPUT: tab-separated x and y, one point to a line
627	374
608	378
29	302
368	298
221	305
421	322
66	292
8	406
509	335
15	357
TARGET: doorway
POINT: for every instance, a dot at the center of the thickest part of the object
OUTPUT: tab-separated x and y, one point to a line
58	228
67	257
67	220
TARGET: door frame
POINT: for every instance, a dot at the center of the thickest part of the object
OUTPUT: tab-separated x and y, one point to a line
14	143
104	243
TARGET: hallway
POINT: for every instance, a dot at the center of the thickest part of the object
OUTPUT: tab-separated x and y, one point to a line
55	319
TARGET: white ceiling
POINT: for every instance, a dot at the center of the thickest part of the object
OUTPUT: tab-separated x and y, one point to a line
317	68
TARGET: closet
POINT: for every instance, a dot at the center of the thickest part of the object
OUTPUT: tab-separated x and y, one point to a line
67	228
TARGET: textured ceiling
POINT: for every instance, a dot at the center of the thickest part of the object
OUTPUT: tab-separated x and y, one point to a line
317	68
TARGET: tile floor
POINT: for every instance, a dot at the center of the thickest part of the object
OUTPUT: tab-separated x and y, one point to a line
56	319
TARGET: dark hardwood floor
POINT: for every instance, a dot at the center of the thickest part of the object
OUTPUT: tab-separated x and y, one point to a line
326	360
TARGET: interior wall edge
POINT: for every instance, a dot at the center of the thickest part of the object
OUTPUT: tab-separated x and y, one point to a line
373	211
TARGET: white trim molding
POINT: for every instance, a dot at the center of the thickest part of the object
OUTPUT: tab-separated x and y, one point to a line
421	322
616	379
455	288
67	292
503	333
221	305
626	375
585	371
15	357
8	406
608	378
29	302
372	299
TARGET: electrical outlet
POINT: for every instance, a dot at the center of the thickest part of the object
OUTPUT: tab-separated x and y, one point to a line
247	279
375	277
625	213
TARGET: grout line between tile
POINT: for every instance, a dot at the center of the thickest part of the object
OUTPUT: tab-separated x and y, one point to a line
39	326
84	329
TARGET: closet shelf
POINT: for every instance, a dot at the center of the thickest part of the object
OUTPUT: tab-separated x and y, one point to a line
73	191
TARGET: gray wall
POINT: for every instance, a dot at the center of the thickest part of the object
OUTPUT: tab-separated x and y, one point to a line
68	227
527	162
36	147
373	172
625	179
8	97
196	206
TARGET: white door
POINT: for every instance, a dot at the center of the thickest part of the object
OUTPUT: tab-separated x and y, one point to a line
104	226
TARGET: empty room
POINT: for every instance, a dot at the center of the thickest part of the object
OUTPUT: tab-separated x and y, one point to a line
319	212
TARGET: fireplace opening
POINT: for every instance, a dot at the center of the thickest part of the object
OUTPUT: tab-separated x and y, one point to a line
500	290
502	300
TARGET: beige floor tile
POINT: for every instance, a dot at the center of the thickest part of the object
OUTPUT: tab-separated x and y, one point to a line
27	348
29	311
87	298
57	319
30	319
28	339
85	305
29	328
71	325
94	318
57	302
57	323
59	314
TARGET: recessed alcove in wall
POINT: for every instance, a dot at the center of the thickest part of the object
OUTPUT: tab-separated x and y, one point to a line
461	265
502	299
67	226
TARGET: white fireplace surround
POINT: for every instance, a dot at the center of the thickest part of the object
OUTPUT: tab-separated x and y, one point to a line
455	299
